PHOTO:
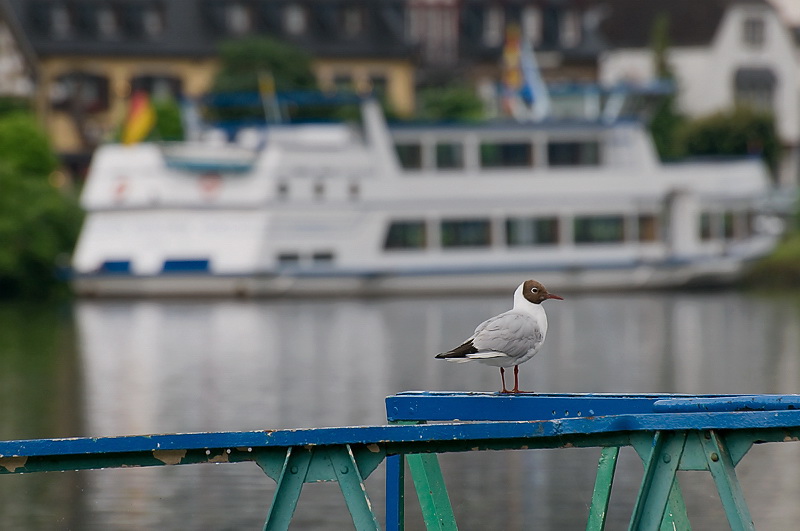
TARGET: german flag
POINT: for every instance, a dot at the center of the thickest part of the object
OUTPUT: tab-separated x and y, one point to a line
141	119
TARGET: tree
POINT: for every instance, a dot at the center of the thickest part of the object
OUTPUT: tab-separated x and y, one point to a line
244	60
666	121
739	131
450	102
250	64
38	223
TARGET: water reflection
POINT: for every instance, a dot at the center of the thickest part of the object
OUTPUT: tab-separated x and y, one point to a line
176	366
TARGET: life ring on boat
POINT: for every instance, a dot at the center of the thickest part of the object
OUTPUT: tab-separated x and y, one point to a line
210	184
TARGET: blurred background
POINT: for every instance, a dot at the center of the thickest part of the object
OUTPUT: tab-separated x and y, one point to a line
707	77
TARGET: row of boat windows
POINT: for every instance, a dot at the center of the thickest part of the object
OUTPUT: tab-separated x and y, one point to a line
518	231
535	231
452	155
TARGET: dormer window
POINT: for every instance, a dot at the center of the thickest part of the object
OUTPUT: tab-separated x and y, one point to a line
237	19
493	26
532	25
352	21
152	22
753	31
294	19
60	22
107	23
570	29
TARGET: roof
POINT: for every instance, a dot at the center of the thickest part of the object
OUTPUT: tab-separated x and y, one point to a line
629	23
194	28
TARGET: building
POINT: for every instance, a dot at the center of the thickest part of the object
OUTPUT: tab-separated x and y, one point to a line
90	56
721	52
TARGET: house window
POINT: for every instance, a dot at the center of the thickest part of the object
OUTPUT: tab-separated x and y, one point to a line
352	21
755	87
466	233
60	22
493	26
107	23
506	154
80	90
294	19
152	22
158	86
449	156
573	153
599	229
409	234
378	85
238	19
706	226
525	232
532	24
410	156
648	228
570	29
753	31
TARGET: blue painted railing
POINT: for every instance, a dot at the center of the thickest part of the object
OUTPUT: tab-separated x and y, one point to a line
669	432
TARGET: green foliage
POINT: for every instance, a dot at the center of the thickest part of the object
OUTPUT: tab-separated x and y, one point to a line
243	61
452	102
38	223
168	120
666	121
781	268
740	131
24	147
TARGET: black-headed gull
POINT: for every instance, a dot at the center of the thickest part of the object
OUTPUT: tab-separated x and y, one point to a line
511	338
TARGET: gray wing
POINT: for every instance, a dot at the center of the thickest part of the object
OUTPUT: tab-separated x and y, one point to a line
509	334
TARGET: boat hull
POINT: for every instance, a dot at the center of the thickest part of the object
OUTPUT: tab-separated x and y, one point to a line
706	272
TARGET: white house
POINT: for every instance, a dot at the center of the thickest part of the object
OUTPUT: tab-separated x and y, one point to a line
722	52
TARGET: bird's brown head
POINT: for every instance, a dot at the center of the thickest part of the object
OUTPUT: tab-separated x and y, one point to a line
534	292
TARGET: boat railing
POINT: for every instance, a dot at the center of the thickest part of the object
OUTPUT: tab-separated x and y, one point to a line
669	433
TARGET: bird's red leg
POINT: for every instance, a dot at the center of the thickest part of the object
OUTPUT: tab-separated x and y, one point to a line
516	379
503	377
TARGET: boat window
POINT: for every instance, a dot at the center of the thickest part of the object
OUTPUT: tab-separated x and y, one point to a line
319	191
322	257
185	266
531	231
506	154
466	233
410	156
728	226
406	235
573	153
449	156
648	228
599	229
288	259
283	190
706	232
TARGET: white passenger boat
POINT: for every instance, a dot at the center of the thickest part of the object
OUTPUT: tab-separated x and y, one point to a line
338	209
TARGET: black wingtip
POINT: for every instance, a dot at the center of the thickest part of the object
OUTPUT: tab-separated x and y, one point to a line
460	351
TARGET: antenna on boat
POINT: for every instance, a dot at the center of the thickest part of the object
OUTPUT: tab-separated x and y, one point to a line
269	97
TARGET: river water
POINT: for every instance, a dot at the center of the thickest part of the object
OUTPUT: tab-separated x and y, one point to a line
131	367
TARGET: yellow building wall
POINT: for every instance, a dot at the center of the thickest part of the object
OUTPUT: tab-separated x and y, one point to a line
197	77
399	75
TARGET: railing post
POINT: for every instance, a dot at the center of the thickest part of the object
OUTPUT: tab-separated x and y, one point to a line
722	470
602	488
395	492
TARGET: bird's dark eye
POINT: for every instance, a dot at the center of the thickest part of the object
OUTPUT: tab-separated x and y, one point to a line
534	290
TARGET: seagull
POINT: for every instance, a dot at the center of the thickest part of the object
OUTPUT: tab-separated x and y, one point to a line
511	338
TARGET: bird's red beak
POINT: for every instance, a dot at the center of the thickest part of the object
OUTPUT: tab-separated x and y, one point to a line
553	296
